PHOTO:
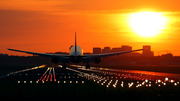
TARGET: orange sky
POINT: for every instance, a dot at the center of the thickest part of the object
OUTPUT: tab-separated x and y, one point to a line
49	25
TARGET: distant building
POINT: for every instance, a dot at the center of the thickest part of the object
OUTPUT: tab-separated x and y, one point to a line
97	50
167	58
147	51
126	48
135	54
168	55
106	50
116	49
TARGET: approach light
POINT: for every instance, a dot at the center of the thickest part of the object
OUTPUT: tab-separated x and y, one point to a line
159	81
166	79
172	81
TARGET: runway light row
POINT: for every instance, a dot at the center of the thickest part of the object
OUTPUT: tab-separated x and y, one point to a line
115	72
49	76
145	81
16	72
57	82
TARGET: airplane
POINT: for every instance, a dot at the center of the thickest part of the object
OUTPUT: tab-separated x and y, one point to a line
75	56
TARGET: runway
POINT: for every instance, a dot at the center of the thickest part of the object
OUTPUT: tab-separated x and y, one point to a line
81	83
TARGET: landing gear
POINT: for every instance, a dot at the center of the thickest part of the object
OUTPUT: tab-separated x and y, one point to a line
64	66
88	66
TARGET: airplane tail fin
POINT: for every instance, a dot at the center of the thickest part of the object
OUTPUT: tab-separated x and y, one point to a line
75	42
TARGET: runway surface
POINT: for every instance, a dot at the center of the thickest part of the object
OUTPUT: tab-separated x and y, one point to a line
78	83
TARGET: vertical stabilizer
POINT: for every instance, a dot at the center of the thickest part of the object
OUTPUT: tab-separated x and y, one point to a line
75	42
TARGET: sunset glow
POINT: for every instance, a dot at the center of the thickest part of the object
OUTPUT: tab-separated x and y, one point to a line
49	25
147	24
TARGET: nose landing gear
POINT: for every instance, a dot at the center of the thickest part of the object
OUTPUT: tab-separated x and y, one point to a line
87	66
64	66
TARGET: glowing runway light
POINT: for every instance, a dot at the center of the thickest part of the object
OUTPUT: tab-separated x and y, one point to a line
166	79
76	81
42	81
172	81
36	81
58	81
24	81
64	81
30	81
70	82
47	78
159	81
18	81
175	84
82	81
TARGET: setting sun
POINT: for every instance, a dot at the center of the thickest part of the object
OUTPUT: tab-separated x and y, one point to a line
147	24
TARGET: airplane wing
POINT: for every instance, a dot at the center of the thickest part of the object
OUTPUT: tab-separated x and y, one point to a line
90	58
64	58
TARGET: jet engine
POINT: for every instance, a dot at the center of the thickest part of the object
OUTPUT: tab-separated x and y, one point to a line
97	60
54	60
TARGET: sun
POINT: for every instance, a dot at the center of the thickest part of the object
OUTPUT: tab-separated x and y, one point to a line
147	24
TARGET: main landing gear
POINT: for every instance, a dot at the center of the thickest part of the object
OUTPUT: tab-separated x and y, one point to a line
64	66
87	66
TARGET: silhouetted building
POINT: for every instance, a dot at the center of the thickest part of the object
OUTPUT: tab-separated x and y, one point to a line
97	50
106	50
147	51
116	50
135	54
126	48
168	55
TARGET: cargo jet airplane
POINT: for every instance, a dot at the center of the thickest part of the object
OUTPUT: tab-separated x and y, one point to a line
75	56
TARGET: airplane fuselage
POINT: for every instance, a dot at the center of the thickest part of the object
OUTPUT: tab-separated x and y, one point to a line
76	54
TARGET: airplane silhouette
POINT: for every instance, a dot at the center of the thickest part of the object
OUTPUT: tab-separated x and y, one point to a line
75	56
